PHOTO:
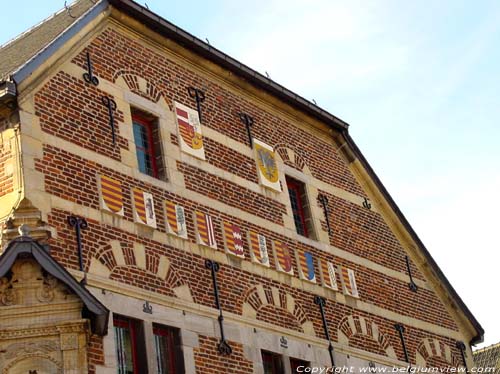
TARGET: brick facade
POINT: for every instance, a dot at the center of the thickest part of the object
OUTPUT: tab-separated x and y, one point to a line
75	148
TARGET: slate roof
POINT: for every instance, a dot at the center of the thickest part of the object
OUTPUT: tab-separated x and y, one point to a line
488	357
21	49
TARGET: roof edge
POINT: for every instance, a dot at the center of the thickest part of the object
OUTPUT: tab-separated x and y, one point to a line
168	29
32	28
456	297
8	90
487	348
23	245
25	70
164	27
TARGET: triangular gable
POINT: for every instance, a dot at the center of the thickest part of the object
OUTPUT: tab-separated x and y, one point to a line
26	246
353	153
190	42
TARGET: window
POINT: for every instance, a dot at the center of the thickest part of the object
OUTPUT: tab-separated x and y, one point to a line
273	363
130	346
167	350
300	206
297	364
126	345
147	144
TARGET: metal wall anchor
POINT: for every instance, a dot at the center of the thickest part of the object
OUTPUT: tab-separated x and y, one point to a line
111	105
412	284
223	346
199	97
367	204
248	121
79	223
401	329
324	201
461	347
321	302
89	76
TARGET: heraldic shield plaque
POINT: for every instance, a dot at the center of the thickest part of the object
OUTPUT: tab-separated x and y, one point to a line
189	131
267	166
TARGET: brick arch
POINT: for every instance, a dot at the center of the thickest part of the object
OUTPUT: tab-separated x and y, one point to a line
351	326
432	348
292	158
138	84
115	256
259	298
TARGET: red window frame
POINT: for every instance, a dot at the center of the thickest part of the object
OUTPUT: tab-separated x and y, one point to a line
298	189
295	363
169	334
275	360
130	324
148	125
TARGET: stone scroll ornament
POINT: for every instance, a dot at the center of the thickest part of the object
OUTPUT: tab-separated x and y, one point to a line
189	131
205	230
349	282
144	211
176	220
282	258
233	239
111	195
258	248
328	275
267	167
305	260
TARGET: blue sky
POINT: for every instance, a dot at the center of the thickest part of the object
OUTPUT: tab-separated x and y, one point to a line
417	81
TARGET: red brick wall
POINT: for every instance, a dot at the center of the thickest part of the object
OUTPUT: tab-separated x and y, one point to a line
95	353
112	53
208	361
225	158
231	194
364	232
374	287
73	111
233	283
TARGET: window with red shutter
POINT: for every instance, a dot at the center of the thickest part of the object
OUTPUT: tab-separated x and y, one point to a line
272	362
148	147
126	345
300	206
167	350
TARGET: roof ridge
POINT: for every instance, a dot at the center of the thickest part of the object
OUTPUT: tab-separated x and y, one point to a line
492	346
24	33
